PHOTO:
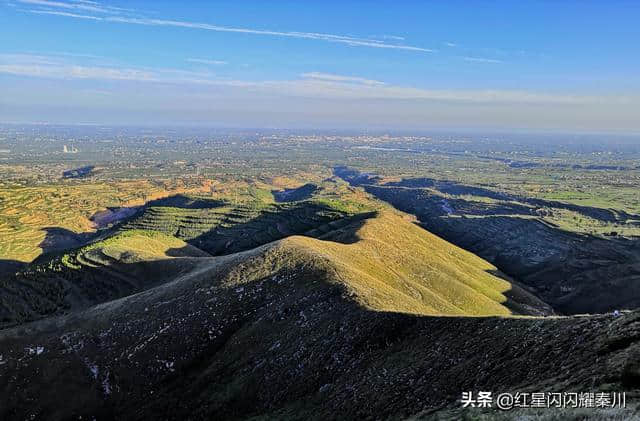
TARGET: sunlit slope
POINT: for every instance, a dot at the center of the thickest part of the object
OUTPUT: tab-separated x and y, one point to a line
385	261
223	229
145	245
294	329
395	265
127	263
55	217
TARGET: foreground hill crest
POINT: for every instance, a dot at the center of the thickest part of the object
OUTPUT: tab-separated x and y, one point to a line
315	320
395	265
382	257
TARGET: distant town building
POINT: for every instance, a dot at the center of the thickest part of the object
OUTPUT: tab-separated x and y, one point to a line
72	149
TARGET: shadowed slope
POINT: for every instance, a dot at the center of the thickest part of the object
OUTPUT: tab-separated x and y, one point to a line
220	230
283	331
389	263
574	273
111	268
291	195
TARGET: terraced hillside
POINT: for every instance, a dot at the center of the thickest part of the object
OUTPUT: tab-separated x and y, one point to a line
126	263
53	217
574	272
132	260
220	228
97	272
289	331
57	283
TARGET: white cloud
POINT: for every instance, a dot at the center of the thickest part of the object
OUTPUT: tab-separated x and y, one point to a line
311	85
67	14
59	67
450	44
339	78
481	60
76	72
337	89
342	39
207	61
80	5
305	35
393	37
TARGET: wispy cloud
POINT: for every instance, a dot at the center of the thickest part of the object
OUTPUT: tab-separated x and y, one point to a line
311	85
393	37
481	60
78	5
112	14
76	72
207	61
450	44
339	78
336	90
67	14
59	67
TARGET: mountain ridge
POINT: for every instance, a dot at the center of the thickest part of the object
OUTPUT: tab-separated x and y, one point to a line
236	339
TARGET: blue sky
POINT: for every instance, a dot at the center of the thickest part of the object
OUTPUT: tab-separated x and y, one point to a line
569	65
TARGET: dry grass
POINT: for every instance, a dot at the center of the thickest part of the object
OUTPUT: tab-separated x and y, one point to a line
397	266
25	211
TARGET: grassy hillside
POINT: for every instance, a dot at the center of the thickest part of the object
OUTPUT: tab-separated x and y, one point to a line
221	228
55	216
117	266
394	265
148	245
287	331
385	259
573	271
125	259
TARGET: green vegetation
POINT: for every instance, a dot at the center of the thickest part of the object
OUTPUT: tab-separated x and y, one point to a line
26	212
345	206
384	258
228	228
133	245
316	321
255	280
261	194
396	266
616	197
536	241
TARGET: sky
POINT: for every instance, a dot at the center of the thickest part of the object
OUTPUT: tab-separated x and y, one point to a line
550	65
